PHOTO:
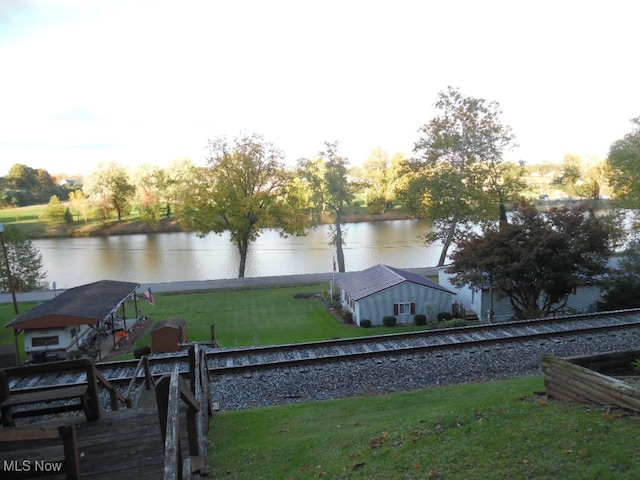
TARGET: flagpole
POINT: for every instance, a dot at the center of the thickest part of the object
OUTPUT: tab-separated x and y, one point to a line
333	275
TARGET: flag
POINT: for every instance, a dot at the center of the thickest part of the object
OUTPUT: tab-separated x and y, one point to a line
334	262
149	295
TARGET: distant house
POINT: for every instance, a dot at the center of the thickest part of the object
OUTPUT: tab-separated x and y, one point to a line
582	300
68	182
384	291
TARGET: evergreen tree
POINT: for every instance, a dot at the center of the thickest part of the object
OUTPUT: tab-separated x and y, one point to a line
25	262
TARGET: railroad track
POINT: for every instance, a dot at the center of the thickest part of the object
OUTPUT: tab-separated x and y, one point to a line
242	359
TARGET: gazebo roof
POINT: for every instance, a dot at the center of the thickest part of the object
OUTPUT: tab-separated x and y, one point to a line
87	304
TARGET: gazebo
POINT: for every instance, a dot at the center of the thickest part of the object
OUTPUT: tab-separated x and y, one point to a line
73	319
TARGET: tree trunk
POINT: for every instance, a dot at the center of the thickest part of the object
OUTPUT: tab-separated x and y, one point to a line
243	248
339	251
447	241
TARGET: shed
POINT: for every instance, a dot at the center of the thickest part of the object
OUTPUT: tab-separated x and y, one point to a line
167	335
382	291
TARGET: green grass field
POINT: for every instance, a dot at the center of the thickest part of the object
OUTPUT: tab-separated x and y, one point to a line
472	432
240	318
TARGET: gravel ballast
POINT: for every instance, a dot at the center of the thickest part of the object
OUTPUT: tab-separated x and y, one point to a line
373	376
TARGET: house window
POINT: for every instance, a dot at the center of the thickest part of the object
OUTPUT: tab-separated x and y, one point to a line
404	308
45	341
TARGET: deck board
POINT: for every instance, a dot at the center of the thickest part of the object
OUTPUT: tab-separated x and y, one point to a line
124	444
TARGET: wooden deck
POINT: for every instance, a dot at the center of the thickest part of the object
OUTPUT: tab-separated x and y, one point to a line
124	444
128	443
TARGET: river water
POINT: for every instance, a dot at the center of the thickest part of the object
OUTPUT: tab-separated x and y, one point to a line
170	257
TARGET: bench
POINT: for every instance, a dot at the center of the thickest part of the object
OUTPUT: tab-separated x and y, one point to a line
50	399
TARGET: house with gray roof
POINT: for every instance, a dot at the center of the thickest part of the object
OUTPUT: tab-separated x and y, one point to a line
582	300
382	291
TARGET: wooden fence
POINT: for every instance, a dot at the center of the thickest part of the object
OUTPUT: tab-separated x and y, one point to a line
568	380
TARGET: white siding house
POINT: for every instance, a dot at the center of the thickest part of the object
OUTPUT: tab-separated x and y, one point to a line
582	300
384	291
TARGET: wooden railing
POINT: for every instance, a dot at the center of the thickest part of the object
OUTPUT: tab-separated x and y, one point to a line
117	398
149	382
170	390
37	400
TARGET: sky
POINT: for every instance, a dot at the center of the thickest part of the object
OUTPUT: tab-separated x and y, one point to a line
149	81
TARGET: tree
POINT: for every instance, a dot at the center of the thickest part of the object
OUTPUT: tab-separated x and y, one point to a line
382	176
538	259
243	189
622	286
22	177
180	173
623	167
55	211
150	183
458	177
330	190
578	178
31	185
80	203
25	262
109	189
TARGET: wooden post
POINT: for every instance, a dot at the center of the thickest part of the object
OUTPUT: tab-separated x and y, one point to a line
71	455
92	386
192	366
16	332
148	377
172	450
162	399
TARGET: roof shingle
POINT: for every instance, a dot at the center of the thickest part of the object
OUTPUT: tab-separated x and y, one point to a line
359	285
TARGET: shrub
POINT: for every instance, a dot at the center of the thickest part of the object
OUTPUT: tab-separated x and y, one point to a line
68	218
389	321
444	316
365	323
142	351
420	319
303	295
347	317
337	306
454	322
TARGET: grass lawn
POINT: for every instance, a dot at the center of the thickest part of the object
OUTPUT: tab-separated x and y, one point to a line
241	318
256	317
477	431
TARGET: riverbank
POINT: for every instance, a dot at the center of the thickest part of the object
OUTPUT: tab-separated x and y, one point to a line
32	222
